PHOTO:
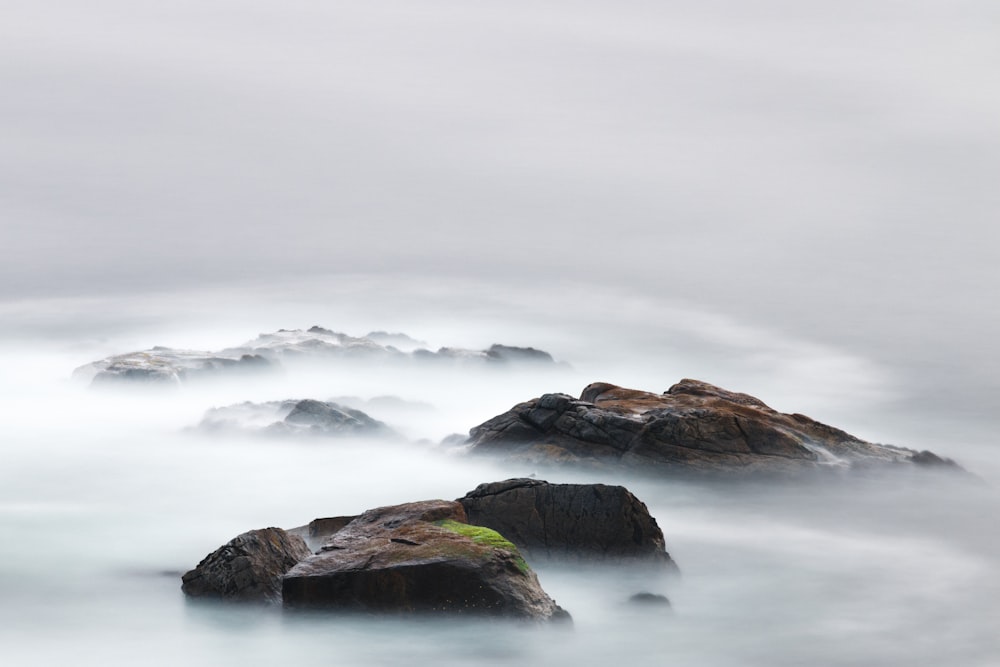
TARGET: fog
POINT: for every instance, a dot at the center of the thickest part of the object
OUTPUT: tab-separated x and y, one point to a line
109	494
795	200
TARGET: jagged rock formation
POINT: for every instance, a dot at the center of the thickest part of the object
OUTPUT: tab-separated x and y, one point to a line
576	522
247	568
419	557
294	417
164	365
692	427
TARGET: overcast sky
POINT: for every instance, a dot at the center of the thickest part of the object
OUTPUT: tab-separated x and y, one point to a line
826	168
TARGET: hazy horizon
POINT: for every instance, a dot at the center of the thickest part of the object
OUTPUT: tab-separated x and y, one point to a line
827	174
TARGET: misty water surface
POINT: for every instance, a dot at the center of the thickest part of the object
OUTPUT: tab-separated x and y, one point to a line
108	498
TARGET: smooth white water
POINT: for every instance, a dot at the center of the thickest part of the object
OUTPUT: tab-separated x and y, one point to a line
105	498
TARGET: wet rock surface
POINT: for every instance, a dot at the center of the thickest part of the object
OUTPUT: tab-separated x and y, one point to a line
248	568
693	427
419	557
574	522
470	556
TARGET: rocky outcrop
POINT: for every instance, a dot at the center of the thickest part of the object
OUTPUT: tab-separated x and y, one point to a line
575	522
247	568
294	417
419	557
165	365
499	352
440	556
692	427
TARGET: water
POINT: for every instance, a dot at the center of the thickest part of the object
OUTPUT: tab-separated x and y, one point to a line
105	498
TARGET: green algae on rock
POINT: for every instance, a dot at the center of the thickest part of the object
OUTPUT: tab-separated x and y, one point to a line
419	557
487	536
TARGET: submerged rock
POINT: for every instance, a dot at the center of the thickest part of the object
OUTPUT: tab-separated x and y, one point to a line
649	600
577	522
499	352
692	427
295	417
419	557
247	568
164	365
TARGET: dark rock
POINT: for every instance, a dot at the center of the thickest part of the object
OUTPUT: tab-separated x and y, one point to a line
295	417
579	522
926	458
650	599
332	419
692	427
247	568
499	352
419	557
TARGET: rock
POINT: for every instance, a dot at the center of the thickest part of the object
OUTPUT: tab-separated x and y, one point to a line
164	365
325	528
419	557
247	568
295	417
333	419
499	352
576	522
650	600
692	427
168	366
318	531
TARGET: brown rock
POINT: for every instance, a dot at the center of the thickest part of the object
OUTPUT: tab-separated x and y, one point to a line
692	427
248	568
419	557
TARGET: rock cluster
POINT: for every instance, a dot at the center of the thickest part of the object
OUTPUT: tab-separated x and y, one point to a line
429	556
165	365
692	427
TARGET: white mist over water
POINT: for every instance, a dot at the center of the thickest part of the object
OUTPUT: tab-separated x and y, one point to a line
106	497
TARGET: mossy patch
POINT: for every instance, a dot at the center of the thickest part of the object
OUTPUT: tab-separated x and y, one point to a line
487	537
